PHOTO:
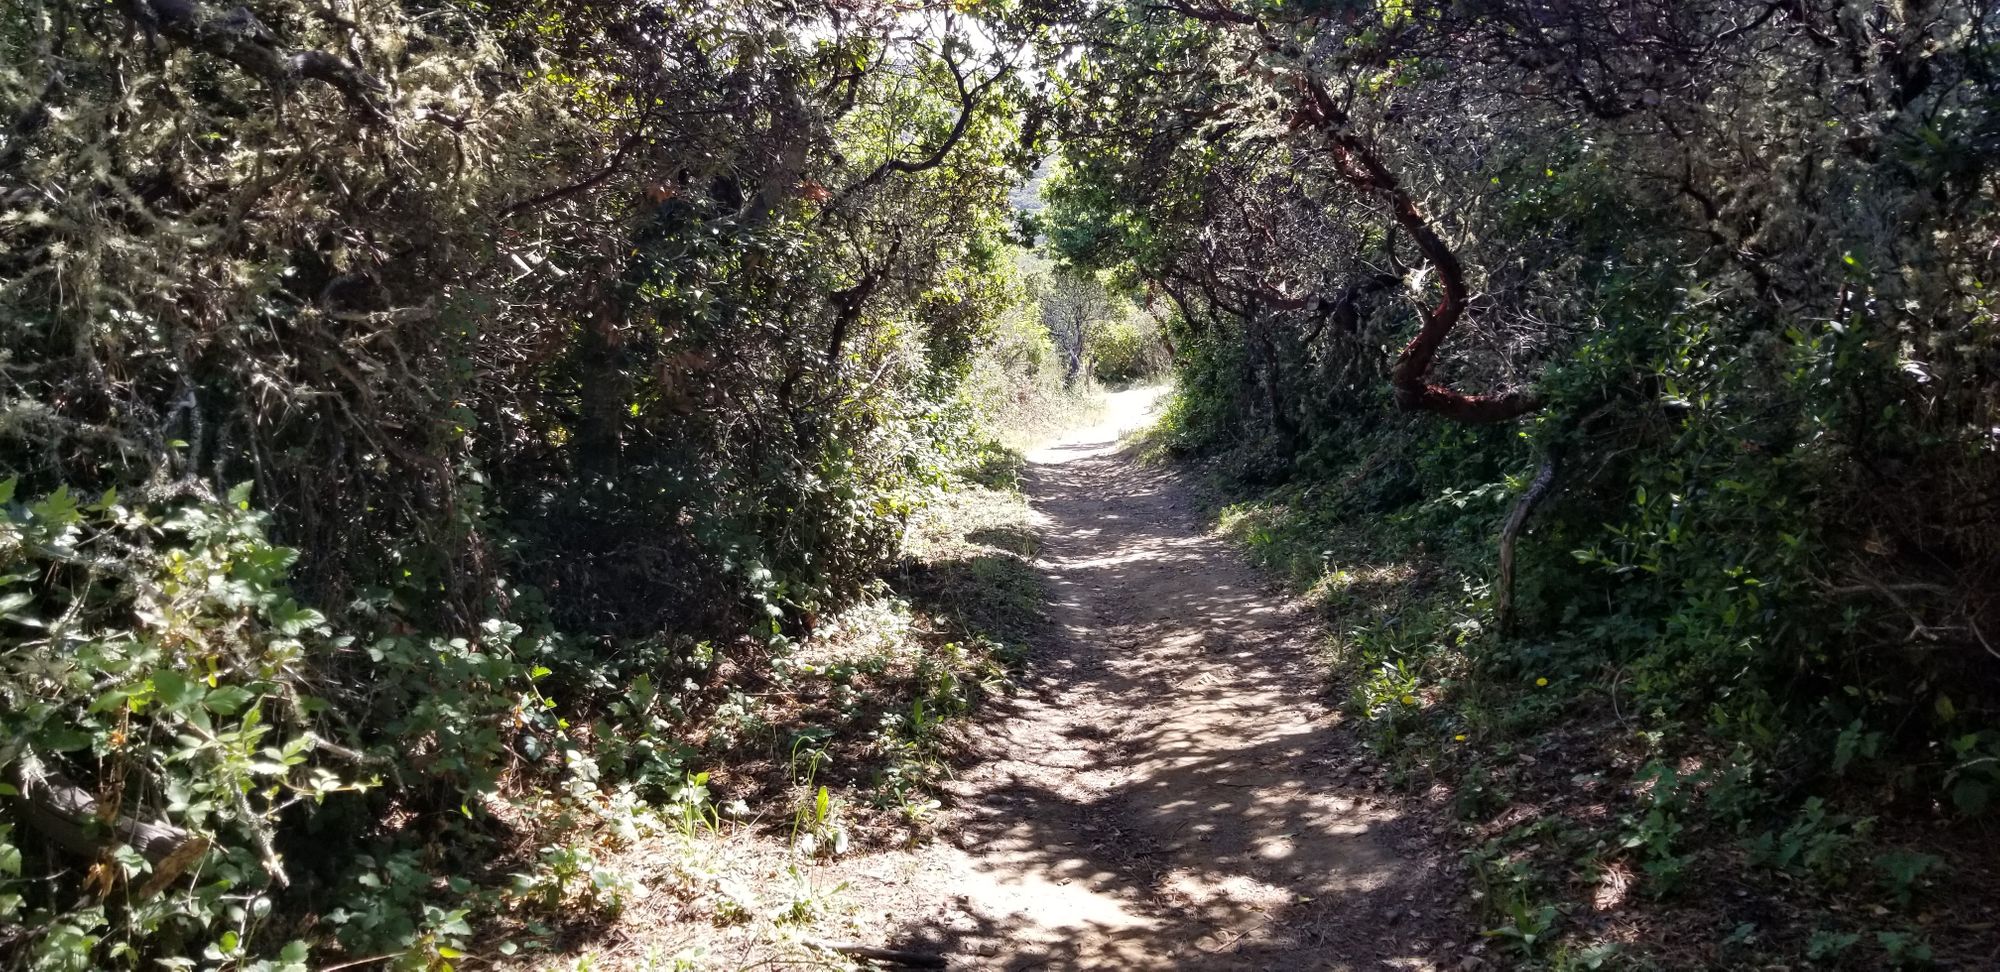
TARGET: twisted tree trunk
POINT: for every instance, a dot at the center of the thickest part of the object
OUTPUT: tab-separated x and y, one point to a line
1410	378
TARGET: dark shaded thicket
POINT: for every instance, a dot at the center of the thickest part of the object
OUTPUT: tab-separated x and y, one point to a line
553	340
1716	274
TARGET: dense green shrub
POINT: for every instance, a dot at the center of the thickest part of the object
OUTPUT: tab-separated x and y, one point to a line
160	647
582	358
1127	351
1747	334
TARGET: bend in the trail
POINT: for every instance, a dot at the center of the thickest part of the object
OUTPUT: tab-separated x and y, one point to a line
1163	792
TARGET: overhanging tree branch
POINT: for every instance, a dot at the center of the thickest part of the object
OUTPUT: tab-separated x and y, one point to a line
1410	378
609	169
848	303
237	36
968	104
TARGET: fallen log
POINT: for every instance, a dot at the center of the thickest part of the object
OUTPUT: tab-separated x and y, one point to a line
68	816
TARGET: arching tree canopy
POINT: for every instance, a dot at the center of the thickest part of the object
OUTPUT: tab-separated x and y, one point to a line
1490	170
395	392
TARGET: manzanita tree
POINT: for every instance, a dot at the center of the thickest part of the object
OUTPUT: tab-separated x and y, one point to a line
1719	264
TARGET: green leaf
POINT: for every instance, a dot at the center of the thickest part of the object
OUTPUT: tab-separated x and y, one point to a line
57	508
7	489
62	739
116	697
290	618
229	699
176	691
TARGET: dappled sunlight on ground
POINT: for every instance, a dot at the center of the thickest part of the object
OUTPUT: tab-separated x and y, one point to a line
1160	797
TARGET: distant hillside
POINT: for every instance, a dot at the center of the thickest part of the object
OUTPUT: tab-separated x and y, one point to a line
1027	197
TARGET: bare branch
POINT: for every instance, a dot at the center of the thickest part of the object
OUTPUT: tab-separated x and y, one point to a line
237	36
595	179
968	105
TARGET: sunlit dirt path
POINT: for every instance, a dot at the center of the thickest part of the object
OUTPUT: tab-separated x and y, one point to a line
1163	792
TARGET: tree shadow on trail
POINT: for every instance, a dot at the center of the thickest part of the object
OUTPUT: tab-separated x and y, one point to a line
1168	794
1132	905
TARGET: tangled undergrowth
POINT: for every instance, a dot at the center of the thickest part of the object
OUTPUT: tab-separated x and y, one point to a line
840	751
429	433
583	793
1612	817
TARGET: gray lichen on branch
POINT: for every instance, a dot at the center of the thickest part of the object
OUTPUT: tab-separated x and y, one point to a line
237	36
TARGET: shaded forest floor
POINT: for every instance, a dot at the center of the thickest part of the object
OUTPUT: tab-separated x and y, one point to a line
1159	784
1165	790
1083	730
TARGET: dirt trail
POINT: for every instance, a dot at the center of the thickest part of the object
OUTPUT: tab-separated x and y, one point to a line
1163	793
